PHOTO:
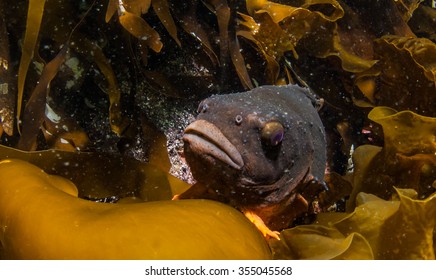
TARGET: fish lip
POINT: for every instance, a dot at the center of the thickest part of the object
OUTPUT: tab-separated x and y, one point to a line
207	138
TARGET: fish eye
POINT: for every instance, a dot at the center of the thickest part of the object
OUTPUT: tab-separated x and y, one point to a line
272	133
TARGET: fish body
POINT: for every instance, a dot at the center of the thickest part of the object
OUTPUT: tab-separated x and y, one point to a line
254	150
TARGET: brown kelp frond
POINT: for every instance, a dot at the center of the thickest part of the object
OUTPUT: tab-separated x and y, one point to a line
405	132
391	207
239	63
70	37
407	7
403	88
401	228
187	17
103	88
122	176
162	10
34	112
270	40
7	95
407	159
129	14
141	30
330	10
35	11
276	29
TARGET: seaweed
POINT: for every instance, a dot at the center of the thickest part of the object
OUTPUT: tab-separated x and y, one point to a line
34	111
7	96
402	228
33	24
400	87
407	159
390	210
122	176
91	77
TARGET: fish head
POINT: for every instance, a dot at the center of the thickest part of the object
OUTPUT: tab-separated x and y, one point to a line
252	147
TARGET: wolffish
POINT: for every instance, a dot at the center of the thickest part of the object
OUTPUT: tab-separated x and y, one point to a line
259	151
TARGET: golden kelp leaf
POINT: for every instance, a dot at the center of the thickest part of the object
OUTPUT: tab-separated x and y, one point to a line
406	132
422	50
139	28
70	141
418	172
367	219
362	159
382	17
177	186
33	24
158	155
407	159
274	39
407	79
328	43
34	111
366	83
328	218
121	176
112	7
409	233
270	39
277	29
407	7
401	229
137	7
386	170
422	22
239	63
188	20
278	12
61	131
189	229
324	8
321	243
222	12
162	10
64	185
325	39
254	5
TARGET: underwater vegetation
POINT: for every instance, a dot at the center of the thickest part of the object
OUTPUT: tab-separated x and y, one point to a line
102	83
73	228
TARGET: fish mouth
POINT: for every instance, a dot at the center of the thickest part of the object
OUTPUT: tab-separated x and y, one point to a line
204	137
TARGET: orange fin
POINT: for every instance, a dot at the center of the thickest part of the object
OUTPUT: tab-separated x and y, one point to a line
259	223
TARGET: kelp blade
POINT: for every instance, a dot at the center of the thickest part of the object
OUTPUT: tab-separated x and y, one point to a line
35	108
121	176
67	227
33	24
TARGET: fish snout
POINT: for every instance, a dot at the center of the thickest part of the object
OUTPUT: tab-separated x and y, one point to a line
205	138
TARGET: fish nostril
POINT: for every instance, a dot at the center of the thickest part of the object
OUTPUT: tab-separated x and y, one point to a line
202	107
238	119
